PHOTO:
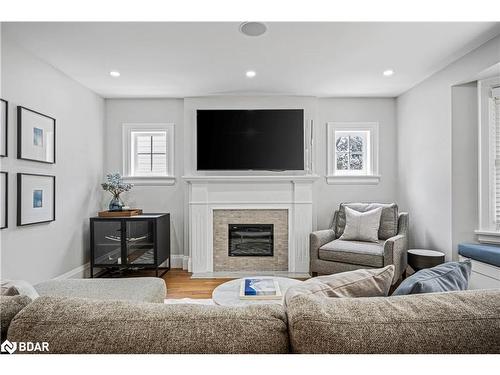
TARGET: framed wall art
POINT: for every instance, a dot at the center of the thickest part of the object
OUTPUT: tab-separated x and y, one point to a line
36	198
4	199
36	136
4	127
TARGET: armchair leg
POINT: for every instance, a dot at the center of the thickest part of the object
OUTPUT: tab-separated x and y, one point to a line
404	274
314	274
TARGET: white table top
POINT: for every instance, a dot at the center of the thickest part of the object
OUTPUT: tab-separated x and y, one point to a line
228	294
427	253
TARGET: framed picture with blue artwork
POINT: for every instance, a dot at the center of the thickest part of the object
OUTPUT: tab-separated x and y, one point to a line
36	136
4	199
36	198
4	126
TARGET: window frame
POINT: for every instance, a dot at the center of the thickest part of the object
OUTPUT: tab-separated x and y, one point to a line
369	174
488	229
127	158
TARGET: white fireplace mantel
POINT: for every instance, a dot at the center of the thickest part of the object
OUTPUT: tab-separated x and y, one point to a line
209	193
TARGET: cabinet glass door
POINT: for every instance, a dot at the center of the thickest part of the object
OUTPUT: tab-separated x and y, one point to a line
107	243
140	242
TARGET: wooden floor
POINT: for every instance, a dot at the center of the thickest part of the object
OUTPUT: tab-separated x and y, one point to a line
181	285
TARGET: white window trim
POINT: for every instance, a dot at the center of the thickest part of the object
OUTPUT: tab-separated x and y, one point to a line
127	130
488	231
372	177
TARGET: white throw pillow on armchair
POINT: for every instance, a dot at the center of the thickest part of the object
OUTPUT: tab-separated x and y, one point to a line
361	226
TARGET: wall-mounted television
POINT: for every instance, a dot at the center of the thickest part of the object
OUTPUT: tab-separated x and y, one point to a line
261	139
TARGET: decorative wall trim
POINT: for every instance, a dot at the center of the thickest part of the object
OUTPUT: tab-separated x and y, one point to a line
353	180
488	236
150	181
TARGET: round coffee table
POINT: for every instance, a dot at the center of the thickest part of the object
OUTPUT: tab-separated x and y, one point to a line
228	294
418	259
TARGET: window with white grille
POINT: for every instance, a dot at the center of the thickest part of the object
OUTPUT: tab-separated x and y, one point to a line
148	150
352	155
149	153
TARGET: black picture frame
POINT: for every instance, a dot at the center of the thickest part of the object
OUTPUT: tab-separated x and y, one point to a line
4	127
5	192
20	150
19	199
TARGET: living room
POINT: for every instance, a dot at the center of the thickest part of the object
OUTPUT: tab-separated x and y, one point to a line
297	179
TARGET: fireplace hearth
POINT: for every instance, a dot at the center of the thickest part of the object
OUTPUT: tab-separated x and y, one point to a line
253	240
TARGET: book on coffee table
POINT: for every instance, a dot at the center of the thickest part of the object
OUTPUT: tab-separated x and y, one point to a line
255	288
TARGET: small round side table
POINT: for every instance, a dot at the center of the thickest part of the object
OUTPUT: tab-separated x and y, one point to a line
418	259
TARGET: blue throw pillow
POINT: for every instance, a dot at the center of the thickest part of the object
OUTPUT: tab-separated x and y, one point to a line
446	277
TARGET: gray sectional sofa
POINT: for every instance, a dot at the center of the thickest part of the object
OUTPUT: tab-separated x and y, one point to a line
454	322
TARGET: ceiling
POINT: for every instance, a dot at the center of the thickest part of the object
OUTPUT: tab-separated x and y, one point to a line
293	58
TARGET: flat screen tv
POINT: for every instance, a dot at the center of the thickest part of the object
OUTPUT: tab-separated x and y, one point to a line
263	139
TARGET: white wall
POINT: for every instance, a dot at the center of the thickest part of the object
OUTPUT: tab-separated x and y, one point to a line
183	114
424	117
149	198
43	251
382	110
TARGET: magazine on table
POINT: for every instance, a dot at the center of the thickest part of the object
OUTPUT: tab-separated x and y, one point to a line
260	288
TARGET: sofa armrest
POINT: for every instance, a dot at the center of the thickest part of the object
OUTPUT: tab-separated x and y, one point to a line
396	253
318	239
403	223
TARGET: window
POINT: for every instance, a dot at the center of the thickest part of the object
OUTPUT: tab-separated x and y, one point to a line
352	153
148	153
494	109
489	160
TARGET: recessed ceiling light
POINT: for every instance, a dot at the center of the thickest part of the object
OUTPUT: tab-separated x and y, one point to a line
253	28
250	74
388	72
114	73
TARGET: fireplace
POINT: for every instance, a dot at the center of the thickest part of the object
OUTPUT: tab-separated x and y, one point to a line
247	240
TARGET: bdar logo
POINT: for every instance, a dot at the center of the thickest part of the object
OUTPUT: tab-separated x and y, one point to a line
9	347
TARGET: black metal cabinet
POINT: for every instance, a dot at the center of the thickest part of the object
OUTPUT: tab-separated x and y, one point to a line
136	242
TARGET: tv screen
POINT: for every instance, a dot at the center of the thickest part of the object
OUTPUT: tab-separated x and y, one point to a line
264	139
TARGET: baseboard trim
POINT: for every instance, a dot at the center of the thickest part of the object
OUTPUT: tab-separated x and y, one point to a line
177	261
80	272
83	271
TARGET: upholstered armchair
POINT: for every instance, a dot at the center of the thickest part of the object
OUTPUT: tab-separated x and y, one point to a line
329	254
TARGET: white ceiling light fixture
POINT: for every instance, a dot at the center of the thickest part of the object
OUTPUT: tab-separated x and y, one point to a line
114	73
253	28
388	72
251	74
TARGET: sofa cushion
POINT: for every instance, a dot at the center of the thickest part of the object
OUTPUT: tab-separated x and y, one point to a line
358	283
9	308
388	220
354	252
361	226
74	325
481	252
456	322
140	289
446	277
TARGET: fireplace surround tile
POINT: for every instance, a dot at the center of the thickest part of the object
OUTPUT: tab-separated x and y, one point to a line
223	217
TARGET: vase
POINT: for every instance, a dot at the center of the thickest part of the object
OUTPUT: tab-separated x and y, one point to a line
116	203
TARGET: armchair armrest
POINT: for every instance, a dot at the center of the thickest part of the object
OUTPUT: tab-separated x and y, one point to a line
396	248
318	239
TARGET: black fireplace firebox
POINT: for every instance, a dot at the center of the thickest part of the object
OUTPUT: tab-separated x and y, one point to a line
246	240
